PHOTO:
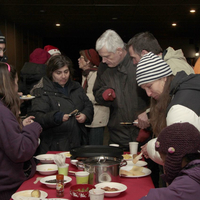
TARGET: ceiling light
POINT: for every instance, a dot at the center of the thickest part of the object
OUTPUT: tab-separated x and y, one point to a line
57	24
196	54
192	11
114	18
174	24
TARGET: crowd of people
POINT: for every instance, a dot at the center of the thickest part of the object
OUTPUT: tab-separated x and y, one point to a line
137	81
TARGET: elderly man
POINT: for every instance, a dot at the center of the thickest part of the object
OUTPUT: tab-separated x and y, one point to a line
116	88
2	48
145	42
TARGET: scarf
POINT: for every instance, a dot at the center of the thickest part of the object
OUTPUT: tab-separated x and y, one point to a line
85	74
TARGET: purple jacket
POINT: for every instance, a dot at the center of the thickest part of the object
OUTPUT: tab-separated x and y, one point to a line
16	147
184	187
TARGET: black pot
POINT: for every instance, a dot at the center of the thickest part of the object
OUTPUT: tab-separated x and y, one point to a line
96	151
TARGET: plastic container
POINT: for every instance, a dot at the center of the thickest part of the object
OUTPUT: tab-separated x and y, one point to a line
60	185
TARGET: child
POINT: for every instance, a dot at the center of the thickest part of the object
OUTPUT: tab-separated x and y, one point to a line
179	148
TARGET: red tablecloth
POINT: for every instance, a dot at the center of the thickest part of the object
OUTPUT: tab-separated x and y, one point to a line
136	187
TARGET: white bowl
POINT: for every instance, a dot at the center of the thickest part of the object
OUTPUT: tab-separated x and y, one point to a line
47	169
53	185
121	188
67	154
139	163
74	162
46	158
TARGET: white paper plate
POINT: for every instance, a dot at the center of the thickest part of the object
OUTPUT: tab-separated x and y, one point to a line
45	158
53	185
27	193
145	170
67	154
139	163
47	169
27	98
121	188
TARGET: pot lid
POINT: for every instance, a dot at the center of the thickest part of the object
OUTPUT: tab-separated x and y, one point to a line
95	151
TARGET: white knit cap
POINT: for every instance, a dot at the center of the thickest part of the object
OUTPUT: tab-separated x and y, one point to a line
150	68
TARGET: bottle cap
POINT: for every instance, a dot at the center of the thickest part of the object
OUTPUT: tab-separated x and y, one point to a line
60	177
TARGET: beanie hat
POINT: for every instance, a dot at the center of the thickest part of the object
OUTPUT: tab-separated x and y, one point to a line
150	68
2	38
39	56
176	141
92	56
51	49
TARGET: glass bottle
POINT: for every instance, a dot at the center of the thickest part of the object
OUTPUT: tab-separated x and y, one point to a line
59	185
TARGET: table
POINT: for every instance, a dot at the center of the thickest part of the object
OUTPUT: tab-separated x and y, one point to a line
136	187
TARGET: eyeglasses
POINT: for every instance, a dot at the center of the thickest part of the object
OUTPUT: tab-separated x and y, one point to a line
2	50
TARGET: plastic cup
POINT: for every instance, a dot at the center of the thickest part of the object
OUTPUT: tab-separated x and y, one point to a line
133	147
63	169
82	177
96	194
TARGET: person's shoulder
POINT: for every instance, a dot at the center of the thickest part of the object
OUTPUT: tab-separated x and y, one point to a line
4	110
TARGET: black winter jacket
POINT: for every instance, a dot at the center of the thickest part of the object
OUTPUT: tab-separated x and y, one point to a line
49	103
130	100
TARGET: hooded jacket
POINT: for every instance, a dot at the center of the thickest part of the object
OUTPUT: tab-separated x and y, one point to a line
16	147
50	104
184	187
130	99
184	106
176	60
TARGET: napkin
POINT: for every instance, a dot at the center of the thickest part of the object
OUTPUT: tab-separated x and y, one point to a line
59	159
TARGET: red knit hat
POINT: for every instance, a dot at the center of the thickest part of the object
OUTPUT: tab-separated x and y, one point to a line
176	141
51	49
39	56
92	56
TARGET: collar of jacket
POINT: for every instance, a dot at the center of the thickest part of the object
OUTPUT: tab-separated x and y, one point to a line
124	64
181	81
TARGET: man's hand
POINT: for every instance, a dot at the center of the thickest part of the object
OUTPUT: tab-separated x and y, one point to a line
109	95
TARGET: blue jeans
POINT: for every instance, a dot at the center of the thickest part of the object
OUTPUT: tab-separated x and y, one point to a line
95	135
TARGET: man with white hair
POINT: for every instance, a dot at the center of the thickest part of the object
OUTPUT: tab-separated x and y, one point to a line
116	88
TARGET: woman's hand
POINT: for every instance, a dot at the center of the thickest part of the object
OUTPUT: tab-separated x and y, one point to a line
81	118
65	117
144	150
28	120
143	121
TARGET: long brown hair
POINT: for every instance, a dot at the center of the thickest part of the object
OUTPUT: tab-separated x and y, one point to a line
158	108
8	95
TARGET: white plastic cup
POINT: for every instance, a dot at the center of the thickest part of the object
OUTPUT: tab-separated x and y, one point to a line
82	177
133	147
96	194
63	169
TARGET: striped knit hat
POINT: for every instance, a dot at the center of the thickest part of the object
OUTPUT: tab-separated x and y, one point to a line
150	68
176	141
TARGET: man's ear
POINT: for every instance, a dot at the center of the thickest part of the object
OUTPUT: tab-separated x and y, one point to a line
144	52
119	50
